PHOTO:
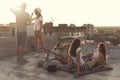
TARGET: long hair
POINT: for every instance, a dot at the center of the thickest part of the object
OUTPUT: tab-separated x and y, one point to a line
38	14
102	49
75	44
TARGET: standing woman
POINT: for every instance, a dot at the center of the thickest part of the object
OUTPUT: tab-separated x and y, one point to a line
38	30
75	55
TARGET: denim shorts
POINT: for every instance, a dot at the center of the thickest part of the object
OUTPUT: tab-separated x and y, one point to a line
38	33
21	38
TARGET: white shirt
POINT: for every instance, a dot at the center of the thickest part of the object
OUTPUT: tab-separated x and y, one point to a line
81	59
37	23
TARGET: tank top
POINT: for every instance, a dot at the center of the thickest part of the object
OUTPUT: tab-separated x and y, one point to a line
81	59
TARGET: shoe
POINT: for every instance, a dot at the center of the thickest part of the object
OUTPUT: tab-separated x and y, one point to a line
36	55
24	61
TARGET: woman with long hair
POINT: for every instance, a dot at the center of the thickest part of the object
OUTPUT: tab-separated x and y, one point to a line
100	52
75	55
99	55
38	30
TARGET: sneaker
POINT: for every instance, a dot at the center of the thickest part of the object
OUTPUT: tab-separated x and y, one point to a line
36	55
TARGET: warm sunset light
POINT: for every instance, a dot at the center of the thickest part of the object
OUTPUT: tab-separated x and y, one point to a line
59	39
97	12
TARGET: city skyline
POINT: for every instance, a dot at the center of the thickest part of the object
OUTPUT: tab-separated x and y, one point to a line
78	12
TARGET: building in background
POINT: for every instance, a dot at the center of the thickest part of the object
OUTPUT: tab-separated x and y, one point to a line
4	31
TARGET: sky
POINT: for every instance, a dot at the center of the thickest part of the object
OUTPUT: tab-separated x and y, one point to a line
78	12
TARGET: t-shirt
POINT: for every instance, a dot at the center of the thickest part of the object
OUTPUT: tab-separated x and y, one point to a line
22	20
37	23
81	59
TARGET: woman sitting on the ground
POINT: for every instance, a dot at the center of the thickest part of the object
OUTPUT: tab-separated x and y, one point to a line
99	55
75	55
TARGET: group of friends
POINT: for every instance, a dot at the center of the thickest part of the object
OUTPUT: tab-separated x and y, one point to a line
23	19
72	55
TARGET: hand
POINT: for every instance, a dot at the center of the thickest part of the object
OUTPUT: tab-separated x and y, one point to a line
32	14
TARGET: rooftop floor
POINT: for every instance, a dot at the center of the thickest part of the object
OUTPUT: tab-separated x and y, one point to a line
9	70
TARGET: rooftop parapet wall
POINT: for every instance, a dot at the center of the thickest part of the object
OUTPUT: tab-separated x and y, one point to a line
7	46
65	29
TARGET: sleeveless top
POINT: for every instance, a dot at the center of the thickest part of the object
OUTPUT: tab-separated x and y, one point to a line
81	59
95	55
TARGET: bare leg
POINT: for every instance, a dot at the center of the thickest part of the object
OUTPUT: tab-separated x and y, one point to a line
18	53
44	46
22	52
36	37
37	45
42	41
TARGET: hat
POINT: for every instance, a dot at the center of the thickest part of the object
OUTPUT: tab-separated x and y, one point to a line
38	9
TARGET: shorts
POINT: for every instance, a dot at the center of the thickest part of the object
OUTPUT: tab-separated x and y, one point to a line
38	33
21	38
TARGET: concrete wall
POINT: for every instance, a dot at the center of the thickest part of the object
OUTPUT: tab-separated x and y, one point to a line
7	46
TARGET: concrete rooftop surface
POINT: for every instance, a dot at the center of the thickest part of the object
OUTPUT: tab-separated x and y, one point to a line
10	70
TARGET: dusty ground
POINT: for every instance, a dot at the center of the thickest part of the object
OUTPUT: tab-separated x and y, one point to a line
9	70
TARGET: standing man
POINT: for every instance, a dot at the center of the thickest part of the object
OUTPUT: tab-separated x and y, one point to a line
22	20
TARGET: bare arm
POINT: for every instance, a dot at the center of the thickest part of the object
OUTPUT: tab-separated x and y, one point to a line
32	17
88	54
78	62
14	11
69	62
